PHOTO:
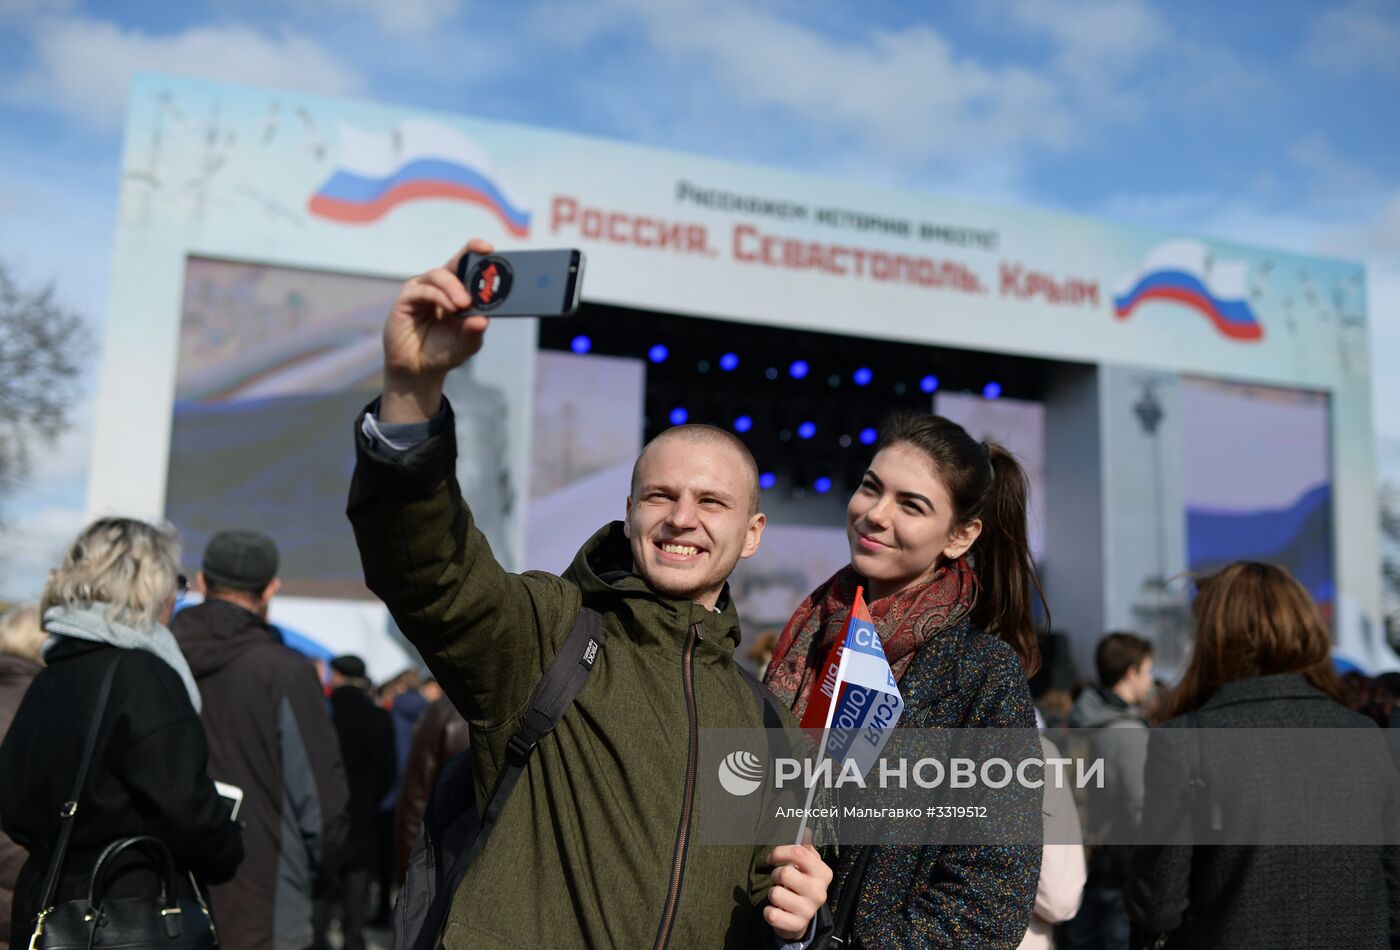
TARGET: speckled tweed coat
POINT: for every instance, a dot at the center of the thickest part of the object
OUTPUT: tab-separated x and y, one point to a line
953	896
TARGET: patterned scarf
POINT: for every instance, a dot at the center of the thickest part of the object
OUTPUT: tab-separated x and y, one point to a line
905	621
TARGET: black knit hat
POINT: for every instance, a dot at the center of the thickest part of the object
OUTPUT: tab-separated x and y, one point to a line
349	665
243	560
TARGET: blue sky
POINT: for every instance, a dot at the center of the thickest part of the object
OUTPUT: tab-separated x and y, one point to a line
1271	123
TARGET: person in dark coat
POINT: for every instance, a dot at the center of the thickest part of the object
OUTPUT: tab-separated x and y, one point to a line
938	538
406	705
1261	661
270	735
107	606
367	747
21	639
442	733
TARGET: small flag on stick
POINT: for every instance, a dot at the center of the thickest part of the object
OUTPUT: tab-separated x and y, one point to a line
856	701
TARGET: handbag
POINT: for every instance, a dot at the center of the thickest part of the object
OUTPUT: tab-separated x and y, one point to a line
129	923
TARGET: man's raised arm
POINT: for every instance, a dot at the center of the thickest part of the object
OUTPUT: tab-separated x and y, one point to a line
485	633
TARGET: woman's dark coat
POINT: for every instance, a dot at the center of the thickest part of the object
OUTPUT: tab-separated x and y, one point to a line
147	775
954	895
1279	896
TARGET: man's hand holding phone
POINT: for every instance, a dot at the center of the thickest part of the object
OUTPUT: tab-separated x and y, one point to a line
424	339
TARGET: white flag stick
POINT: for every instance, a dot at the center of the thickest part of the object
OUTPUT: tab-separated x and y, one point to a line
826	734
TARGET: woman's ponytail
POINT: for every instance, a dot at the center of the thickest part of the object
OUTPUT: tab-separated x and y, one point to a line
1001	559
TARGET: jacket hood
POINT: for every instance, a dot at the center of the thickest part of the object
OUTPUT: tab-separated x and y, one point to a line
1097	706
215	633
603	571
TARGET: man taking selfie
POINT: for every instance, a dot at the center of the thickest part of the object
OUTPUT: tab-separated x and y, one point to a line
594	848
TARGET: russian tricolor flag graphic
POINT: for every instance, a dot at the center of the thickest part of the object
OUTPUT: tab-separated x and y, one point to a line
856	700
1185	272
420	159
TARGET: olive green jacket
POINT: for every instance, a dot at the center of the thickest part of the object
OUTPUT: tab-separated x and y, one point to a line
594	847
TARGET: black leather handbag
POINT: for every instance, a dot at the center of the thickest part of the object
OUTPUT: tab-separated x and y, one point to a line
122	923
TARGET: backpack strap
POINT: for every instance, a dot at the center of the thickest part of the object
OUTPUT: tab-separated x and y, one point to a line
841	930
551	698
767	702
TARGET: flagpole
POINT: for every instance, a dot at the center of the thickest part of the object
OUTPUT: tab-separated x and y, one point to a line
826	729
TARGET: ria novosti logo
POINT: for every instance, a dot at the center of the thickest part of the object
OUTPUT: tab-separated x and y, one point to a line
741	773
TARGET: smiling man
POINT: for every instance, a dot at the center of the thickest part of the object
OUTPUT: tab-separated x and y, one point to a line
693	511
594	847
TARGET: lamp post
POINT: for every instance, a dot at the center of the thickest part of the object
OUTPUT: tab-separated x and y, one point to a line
1149	413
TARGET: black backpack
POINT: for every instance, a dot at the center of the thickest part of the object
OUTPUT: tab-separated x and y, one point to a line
452	834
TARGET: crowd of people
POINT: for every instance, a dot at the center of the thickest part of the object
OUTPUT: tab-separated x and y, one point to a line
288	799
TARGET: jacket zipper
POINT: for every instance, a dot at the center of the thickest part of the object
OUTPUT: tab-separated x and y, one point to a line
668	916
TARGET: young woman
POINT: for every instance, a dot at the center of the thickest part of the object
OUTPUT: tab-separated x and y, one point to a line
938	539
1261	660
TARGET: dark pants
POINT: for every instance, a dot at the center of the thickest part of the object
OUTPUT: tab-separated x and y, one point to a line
1102	922
354	906
384	868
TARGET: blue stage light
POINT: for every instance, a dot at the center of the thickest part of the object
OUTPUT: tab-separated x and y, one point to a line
822	485
679	416
798	369
581	345
929	383
767	480
729	362
862	377
991	390
868	436
807	430
743	424
658	353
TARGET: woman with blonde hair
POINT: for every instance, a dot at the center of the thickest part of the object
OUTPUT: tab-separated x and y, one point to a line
1261	660
105	610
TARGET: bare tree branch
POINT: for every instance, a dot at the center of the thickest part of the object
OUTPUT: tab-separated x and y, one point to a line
43	347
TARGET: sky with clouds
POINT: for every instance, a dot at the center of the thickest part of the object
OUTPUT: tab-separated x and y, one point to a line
1271	123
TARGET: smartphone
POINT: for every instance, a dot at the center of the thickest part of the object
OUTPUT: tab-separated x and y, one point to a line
523	283
231	794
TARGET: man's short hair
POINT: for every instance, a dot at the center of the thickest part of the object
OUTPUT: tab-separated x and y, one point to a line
701	434
1117	654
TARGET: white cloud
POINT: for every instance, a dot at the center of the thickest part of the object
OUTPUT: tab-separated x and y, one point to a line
1356	39
1121	61
83	67
905	93
1334	173
901	100
403	17
1095	38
